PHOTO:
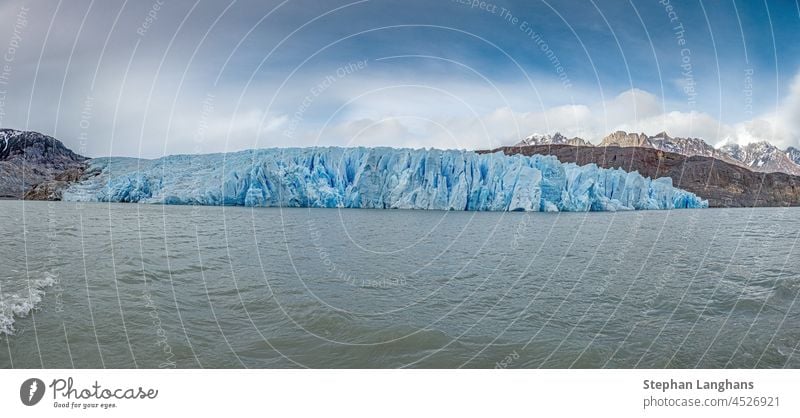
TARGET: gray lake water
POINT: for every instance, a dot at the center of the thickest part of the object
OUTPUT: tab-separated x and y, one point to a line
123	286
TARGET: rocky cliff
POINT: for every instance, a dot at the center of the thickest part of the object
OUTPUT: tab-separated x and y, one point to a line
36	166
624	139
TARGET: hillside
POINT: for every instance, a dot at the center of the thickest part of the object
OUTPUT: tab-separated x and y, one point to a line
758	156
30	160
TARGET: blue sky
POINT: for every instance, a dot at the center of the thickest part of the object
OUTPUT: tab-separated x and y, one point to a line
179	76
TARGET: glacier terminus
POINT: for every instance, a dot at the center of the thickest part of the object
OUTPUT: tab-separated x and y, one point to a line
381	178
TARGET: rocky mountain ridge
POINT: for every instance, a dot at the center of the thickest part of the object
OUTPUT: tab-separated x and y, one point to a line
555	139
759	156
30	161
763	157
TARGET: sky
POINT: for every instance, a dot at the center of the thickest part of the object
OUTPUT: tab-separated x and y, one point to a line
151	78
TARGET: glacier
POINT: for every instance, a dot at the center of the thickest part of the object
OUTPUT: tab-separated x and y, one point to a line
385	178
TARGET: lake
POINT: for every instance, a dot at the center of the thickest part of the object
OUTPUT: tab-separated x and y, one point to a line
127	285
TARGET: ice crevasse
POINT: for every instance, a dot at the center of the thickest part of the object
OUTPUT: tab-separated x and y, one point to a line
376	178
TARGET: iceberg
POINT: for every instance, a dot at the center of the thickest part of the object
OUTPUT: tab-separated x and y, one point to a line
383	178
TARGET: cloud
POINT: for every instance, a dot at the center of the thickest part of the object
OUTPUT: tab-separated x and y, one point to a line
781	127
633	110
148	92
412	126
680	124
632	104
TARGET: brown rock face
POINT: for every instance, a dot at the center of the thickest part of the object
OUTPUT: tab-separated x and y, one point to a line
47	190
54	189
624	139
723	184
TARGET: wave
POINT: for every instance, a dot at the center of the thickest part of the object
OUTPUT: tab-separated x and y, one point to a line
14	305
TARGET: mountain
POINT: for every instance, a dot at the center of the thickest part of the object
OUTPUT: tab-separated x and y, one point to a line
377	178
759	156
685	146
555	139
35	148
723	184
30	159
793	154
763	157
624	139
664	142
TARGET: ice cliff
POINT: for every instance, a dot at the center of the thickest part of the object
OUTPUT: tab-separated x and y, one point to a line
375	178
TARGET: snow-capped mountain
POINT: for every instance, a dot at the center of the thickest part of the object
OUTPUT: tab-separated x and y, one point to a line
34	147
793	154
691	147
759	156
555	139
685	146
30	158
663	142
763	157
